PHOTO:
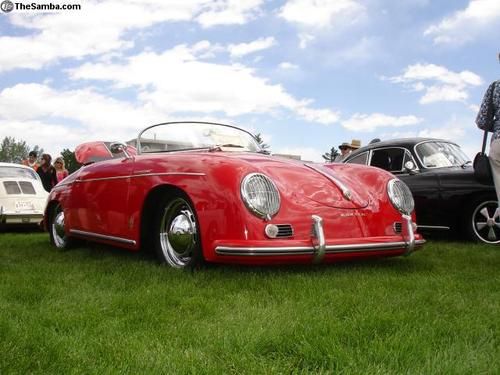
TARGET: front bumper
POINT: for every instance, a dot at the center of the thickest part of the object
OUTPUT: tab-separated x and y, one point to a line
319	248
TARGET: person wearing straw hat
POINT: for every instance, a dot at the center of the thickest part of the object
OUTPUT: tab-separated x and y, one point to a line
345	149
355	144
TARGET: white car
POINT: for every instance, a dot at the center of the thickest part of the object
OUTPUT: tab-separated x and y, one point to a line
22	196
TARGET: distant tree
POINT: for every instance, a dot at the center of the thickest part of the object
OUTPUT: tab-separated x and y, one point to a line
260	141
12	151
330	156
70	160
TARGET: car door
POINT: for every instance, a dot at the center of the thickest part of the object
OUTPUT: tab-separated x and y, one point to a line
424	184
100	198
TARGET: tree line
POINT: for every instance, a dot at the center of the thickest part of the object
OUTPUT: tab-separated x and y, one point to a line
15	151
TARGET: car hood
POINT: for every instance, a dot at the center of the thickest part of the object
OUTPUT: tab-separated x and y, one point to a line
301	181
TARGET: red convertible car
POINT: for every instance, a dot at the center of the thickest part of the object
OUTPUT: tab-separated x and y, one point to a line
196	191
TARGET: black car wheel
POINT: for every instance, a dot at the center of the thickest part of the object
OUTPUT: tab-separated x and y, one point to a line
176	237
483	222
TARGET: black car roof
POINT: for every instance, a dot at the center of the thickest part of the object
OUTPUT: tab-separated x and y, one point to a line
399	142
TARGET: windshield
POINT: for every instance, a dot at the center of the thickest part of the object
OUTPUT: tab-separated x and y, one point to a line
193	135
440	154
14	172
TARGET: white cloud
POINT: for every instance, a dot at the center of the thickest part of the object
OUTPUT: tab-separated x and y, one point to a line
100	27
305	39
242	49
96	114
463	26
229	12
285	65
363	122
438	83
318	14
178	81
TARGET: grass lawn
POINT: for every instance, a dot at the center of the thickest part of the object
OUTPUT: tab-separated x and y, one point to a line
97	309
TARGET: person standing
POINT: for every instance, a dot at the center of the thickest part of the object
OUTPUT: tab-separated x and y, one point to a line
345	149
32	160
488	118
47	172
61	171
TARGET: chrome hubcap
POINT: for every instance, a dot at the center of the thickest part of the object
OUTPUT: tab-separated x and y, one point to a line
486	222
178	233
58	230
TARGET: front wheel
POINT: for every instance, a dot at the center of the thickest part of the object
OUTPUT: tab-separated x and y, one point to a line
177	239
483	222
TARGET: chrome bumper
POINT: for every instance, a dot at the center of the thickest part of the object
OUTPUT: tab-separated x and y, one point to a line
8	217
319	248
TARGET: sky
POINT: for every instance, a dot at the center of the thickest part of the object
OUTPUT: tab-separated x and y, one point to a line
305	74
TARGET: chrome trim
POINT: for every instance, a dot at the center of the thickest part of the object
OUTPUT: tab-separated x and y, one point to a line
143	175
436	227
267	216
138	141
102	236
411	236
319	236
345	190
406	193
310	250
117	147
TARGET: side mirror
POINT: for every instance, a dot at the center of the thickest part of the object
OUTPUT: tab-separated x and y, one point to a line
410	167
118	147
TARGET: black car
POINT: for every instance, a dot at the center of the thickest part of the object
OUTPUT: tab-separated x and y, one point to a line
441	178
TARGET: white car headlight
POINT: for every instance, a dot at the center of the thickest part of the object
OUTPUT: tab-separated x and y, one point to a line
400	196
260	195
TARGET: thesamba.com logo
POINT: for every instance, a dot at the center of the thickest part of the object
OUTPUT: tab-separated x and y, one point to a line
7	6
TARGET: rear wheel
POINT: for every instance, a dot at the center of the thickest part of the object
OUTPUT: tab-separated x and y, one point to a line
483	221
58	236
176	237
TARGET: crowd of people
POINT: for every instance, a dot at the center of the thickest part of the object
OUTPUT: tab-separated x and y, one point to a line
49	173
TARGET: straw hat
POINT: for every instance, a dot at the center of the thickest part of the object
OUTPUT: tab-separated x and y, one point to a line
355	144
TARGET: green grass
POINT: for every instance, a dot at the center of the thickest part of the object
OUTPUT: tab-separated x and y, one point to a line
96	309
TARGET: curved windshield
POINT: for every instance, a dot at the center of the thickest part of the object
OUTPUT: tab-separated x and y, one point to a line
193	135
14	172
439	154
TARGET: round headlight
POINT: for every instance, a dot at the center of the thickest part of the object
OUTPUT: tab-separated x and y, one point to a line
400	196
260	195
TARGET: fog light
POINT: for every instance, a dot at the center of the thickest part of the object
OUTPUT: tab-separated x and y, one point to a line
271	230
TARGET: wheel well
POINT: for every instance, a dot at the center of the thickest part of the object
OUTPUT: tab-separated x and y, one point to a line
149	208
49	211
469	204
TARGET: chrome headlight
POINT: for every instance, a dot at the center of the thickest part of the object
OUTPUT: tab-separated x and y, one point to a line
260	195
400	196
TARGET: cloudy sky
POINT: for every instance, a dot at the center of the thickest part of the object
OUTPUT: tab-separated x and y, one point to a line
306	74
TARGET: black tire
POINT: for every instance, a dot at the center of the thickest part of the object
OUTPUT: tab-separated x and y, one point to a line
58	236
482	221
176	236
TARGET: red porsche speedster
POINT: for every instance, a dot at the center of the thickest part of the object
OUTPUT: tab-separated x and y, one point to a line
197	191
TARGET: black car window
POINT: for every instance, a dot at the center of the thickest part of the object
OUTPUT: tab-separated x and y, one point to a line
359	159
389	159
